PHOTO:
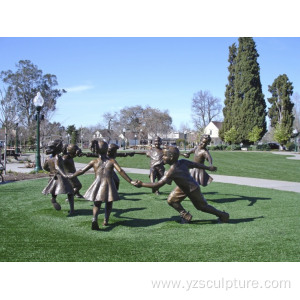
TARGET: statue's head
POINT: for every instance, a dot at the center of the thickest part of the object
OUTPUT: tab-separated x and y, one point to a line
205	139
102	147
157	141
170	155
54	147
73	150
112	149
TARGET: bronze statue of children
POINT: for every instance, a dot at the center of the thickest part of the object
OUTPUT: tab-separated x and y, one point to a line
103	189
112	153
58	183
71	151
157	168
186	186
201	154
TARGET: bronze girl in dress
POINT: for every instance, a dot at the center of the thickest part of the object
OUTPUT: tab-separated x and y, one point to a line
59	182
201	154
103	189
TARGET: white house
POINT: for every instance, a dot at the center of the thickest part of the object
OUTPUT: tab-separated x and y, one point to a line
213	129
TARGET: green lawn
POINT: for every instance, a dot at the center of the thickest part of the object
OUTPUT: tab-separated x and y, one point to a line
264	226
235	163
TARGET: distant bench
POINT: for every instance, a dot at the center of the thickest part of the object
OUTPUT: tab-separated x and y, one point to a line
11	152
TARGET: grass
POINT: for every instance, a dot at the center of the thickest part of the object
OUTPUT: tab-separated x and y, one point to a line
235	163
264	226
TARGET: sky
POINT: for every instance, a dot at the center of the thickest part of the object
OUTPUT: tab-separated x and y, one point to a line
106	74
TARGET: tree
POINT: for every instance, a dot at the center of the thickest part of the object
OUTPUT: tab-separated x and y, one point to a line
8	112
156	122
281	110
255	134
131	118
144	121
231	136
205	108
72	133
24	85
249	107
229	93
281	134
8	117
296	110
51	131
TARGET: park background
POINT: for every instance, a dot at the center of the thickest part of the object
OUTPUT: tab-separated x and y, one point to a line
216	19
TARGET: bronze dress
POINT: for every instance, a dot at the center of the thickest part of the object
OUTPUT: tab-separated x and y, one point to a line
200	175
103	188
69	168
57	183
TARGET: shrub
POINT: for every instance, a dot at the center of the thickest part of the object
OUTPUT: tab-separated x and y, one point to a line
290	146
233	147
263	147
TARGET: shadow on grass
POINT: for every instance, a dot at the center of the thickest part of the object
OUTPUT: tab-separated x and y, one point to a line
117	212
135	223
235	198
231	221
125	196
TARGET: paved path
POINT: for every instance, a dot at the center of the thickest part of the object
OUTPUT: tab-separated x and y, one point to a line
295	155
255	182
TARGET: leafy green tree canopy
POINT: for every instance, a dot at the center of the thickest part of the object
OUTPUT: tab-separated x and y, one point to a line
281	134
24	84
231	136
255	134
281	110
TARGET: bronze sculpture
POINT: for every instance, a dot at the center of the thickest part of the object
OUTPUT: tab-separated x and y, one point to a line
58	182
186	186
71	151
157	168
103	189
201	154
112	153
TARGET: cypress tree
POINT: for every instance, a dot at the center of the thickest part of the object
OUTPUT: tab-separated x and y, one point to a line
281	109
249	107
229	93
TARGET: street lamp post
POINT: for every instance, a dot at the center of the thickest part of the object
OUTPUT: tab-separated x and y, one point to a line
38	102
124	130
135	136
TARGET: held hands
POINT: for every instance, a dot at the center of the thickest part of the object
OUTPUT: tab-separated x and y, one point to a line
137	183
212	168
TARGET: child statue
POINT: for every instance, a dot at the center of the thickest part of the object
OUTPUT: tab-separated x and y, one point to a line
58	183
103	189
186	186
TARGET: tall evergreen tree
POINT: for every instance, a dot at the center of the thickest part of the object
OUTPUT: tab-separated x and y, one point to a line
281	109
249	107
229	93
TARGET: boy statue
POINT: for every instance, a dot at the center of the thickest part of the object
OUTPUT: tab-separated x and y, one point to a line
186	186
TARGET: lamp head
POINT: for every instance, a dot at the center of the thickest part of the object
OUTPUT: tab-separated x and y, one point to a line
38	100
